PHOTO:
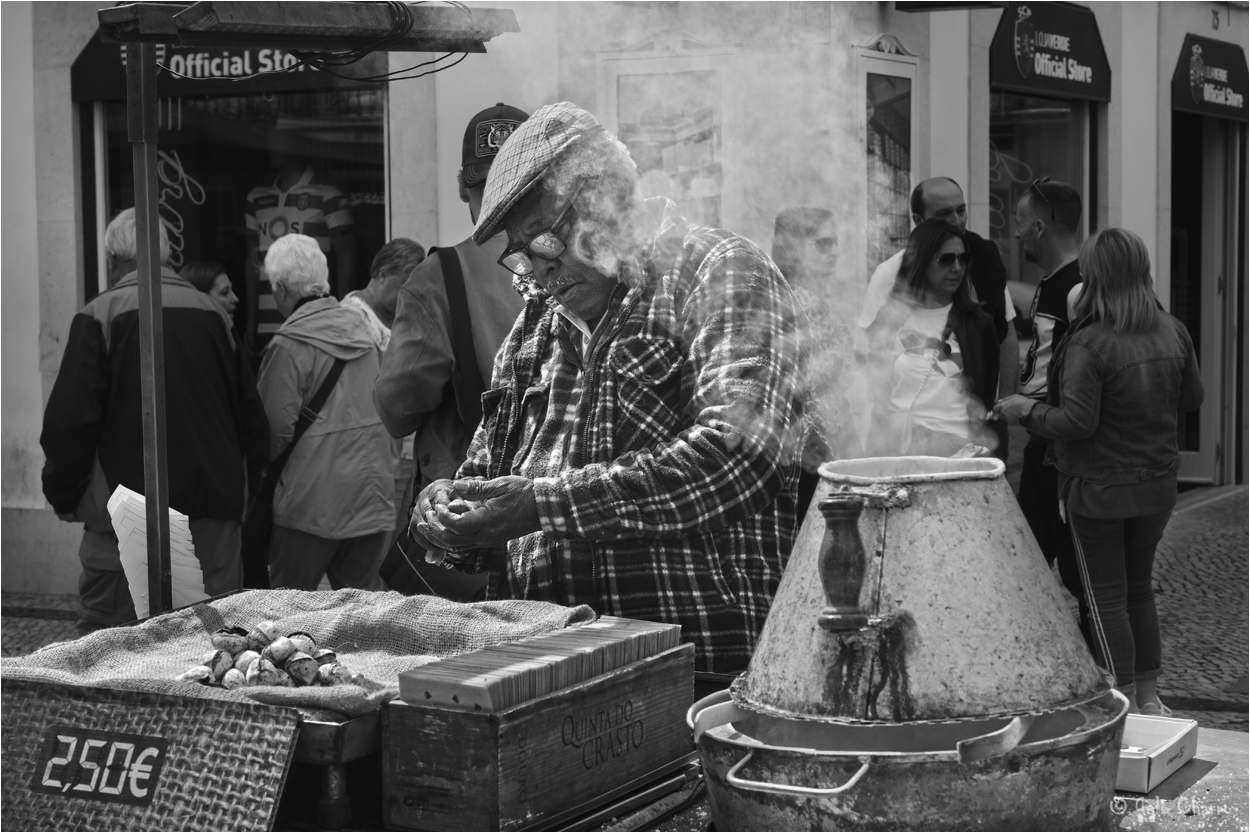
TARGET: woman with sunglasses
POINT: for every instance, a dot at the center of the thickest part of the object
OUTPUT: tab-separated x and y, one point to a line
1117	382
935	351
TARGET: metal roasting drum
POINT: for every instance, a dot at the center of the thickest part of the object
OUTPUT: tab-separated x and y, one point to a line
919	670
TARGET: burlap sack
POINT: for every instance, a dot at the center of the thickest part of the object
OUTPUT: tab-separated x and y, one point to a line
378	635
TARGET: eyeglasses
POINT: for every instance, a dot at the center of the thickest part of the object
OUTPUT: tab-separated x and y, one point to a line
545	244
947	259
824	245
1033	186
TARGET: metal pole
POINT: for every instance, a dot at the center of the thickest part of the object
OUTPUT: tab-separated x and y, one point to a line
142	126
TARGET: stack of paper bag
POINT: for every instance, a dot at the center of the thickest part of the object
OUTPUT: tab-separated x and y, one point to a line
129	512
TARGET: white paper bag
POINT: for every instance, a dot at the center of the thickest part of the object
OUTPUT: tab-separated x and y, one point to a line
129	513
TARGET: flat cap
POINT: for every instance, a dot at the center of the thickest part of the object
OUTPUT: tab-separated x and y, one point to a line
526	157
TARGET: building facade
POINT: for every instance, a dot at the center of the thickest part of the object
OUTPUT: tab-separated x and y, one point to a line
735	110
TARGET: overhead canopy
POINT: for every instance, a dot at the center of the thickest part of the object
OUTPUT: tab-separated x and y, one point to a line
322	26
1052	50
1211	79
99	72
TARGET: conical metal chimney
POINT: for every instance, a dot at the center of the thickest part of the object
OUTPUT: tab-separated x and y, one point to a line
947	611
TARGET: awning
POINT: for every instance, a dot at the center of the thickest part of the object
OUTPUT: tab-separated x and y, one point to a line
1052	50
1211	79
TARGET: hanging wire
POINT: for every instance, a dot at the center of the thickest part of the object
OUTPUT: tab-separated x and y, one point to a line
401	23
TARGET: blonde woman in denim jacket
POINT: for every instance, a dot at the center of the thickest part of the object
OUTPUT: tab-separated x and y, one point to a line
1122	375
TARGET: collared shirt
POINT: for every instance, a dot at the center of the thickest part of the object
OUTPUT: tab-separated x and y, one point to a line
665	451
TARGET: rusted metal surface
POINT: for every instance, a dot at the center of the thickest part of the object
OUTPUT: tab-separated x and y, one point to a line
1060	776
964	618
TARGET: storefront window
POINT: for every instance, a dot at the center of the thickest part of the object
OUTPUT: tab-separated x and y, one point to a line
1030	137
889	165
213	150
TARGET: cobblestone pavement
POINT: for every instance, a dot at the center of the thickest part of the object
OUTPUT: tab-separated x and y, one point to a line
1200	574
1201	581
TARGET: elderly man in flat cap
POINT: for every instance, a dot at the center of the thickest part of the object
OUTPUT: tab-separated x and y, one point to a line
639	448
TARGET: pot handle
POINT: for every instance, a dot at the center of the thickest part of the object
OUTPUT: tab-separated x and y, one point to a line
995	743
783	789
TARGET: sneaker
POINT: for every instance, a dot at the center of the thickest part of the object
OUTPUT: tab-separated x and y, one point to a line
1155	708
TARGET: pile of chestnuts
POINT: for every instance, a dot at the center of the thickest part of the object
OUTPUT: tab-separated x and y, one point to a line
242	658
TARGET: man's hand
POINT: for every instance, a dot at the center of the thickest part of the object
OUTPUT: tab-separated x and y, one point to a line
438	493
467	514
1012	408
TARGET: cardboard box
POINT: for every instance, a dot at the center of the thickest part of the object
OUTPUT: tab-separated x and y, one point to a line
446	769
1152	749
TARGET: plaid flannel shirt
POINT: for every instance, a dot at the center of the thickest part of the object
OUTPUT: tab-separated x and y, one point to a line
665	455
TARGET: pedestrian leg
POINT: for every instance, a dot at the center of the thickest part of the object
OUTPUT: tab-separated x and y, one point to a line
217	547
356	561
298	559
1099	548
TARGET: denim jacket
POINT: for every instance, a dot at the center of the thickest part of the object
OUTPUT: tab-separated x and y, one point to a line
1115	399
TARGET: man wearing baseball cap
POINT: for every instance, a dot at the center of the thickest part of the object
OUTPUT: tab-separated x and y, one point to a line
640	448
453	312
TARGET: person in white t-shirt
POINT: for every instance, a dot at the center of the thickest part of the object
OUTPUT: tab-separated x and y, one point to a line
934	351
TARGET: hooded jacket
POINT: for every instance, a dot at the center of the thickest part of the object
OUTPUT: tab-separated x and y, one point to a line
340	480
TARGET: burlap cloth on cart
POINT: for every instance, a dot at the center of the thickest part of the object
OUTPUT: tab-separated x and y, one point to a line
378	635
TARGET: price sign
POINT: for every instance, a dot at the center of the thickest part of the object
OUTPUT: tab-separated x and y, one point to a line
97	765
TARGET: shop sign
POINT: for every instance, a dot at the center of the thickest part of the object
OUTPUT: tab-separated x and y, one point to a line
1050	49
102	766
1211	79
99	73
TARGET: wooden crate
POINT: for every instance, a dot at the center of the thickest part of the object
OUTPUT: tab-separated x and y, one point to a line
462	770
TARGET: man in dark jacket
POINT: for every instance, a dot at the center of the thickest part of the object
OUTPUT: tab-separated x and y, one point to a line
217	440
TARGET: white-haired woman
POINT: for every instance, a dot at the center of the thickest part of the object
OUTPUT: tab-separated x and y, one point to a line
334	507
1119	379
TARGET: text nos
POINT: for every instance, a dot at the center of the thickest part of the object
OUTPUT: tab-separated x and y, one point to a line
103	766
604	734
1069	69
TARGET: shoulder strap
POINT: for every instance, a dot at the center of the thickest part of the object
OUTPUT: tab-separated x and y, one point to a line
308	414
466	378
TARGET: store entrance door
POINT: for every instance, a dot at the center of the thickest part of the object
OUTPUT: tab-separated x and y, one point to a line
1207	187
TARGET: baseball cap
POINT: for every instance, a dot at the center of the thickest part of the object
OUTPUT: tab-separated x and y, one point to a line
526	157
484	137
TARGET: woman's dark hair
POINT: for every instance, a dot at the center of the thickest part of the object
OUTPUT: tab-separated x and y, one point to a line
201	273
794	226
922	246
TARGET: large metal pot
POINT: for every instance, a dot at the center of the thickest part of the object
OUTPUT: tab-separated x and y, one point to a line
918	670
1051	771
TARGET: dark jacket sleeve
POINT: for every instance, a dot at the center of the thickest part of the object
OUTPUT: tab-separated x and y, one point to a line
419	360
1192	392
253	423
74	418
990	280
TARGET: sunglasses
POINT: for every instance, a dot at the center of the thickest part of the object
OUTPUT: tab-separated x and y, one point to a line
1033	186
545	244
947	259
825	245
